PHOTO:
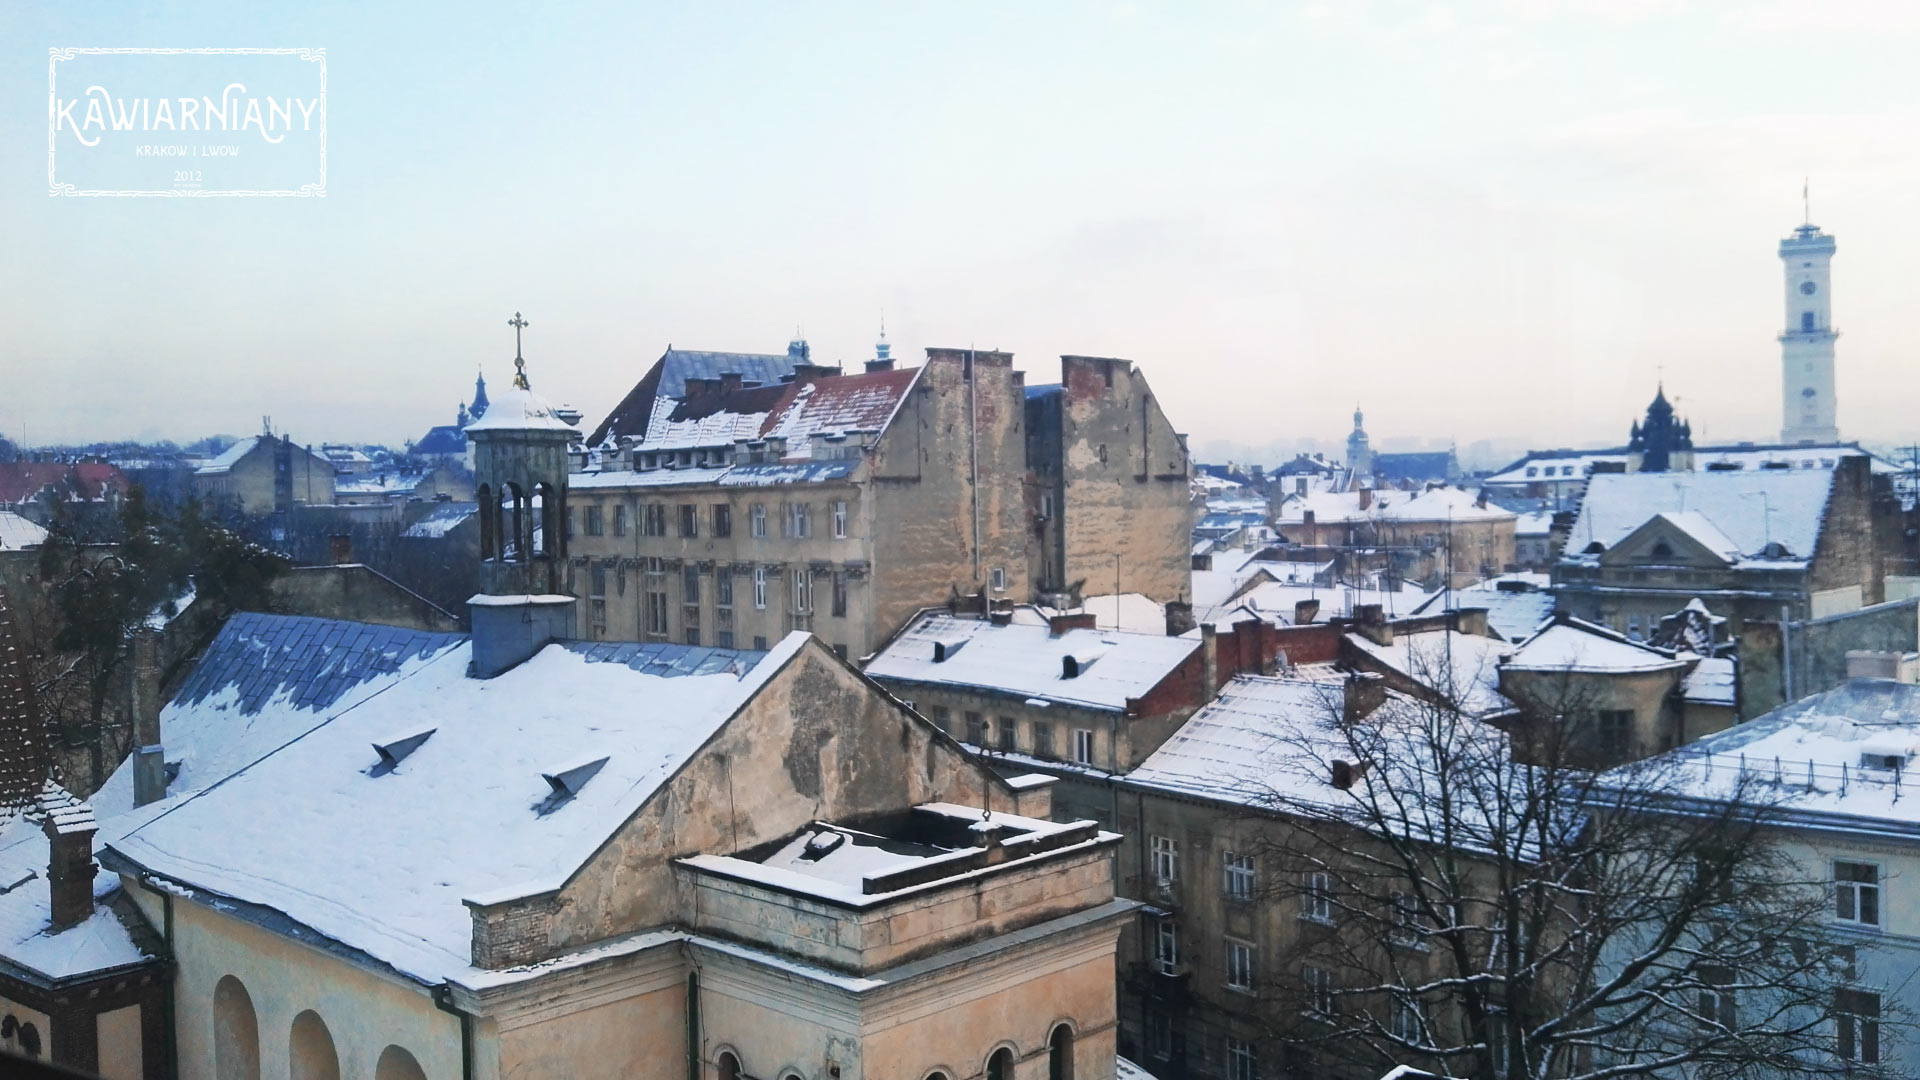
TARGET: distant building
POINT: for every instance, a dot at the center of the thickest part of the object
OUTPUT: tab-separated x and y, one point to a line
1359	449
1439	536
448	442
1806	346
264	474
90	492
712	511
1750	544
1662	442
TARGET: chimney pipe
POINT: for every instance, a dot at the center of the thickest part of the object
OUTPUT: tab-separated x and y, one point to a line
1209	662
729	380
1304	611
1363	692
1076	620
69	826
149	757
1370	622
1366	498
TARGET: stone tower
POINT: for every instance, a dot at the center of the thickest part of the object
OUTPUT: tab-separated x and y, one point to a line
1359	451
1806	347
520	471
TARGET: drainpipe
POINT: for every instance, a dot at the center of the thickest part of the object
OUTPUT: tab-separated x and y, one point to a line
1786	654
443	1000
170	1040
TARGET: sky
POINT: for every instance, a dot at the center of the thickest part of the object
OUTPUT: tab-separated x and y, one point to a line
1499	221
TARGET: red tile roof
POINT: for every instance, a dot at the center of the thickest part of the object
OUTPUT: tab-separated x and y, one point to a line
23	480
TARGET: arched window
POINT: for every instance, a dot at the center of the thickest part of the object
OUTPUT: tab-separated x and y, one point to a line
729	1067
550	539
236	1032
1060	1054
397	1064
310	1053
29	1040
1000	1065
489	519
511	529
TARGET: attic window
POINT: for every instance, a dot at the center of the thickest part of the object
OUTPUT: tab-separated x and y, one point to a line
1776	550
566	783
1661	550
1595	548
943	650
393	751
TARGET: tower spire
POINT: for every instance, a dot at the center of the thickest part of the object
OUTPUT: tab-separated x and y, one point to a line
1806	200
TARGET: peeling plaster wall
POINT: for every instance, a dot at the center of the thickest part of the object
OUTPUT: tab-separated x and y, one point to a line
818	741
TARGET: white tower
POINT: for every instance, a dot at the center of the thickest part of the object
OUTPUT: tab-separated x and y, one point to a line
1806	348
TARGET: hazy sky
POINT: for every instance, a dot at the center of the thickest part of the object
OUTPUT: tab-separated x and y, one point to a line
1479	220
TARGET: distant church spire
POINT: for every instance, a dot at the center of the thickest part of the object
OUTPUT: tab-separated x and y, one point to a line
1659	438
479	407
1359	451
882	350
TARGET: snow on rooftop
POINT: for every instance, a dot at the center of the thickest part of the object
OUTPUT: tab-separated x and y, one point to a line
441	520
514	409
383	863
1711	682
1277	602
1750	509
1387	504
1812	754
17	532
1463	667
1574	645
1025	659
228	458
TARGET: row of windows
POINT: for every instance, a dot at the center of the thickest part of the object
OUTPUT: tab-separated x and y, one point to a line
1002	733
796	520
1236	868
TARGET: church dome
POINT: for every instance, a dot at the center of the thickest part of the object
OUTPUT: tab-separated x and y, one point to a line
516	409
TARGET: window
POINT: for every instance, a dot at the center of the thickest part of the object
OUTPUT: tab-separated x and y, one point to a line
1042	739
1856	893
1006	728
1240	1060
722	520
1238	876
1319	989
840	649
759	643
1046	506
597	595
1317	904
595	521
1614	732
802	579
693	635
656	612
839	519
620	519
998	577
1408	925
1160	1034
690	585
723	589
757	520
760	587
1239	965
1633	621
976	729
1806	321
1716	999
653	519
689	520
1166	946
1405	1020
1857	1026
799	520
1166	860
723	638
942	718
1083	745
840	594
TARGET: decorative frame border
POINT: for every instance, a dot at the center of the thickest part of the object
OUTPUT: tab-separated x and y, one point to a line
57	188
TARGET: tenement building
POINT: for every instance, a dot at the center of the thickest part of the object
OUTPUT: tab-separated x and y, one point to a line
369	851
741	510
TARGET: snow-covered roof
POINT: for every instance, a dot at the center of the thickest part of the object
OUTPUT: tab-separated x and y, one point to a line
1822	756
799	412
228	458
514	409
1464	668
1534	523
1749	509
1453	504
1027	660
1276	602
381	859
1574	645
1233	569
439	521
1701	529
105	940
17	532
1710	682
1237	746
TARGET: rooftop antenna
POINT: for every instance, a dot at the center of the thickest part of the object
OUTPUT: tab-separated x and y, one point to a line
1806	200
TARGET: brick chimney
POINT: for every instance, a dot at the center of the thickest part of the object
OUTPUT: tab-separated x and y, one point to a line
1305	611
879	365
729	381
69	826
1075	620
143	691
1366	498
1363	693
1209	663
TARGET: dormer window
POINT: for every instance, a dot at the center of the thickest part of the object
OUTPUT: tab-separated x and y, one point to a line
1661	550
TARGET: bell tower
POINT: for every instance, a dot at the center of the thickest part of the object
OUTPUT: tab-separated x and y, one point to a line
1807	409
520	471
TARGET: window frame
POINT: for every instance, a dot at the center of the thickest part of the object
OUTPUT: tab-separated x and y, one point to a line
1857	891
839	519
1316	899
1164	859
757	521
1240	960
1236	877
1166	946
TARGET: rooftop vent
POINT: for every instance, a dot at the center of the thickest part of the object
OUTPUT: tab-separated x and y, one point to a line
944	648
822	844
566	783
393	751
1074	665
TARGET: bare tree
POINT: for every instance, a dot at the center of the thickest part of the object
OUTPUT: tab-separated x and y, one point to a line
1479	917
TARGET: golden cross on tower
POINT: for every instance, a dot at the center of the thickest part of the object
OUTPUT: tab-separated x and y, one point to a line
519	362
